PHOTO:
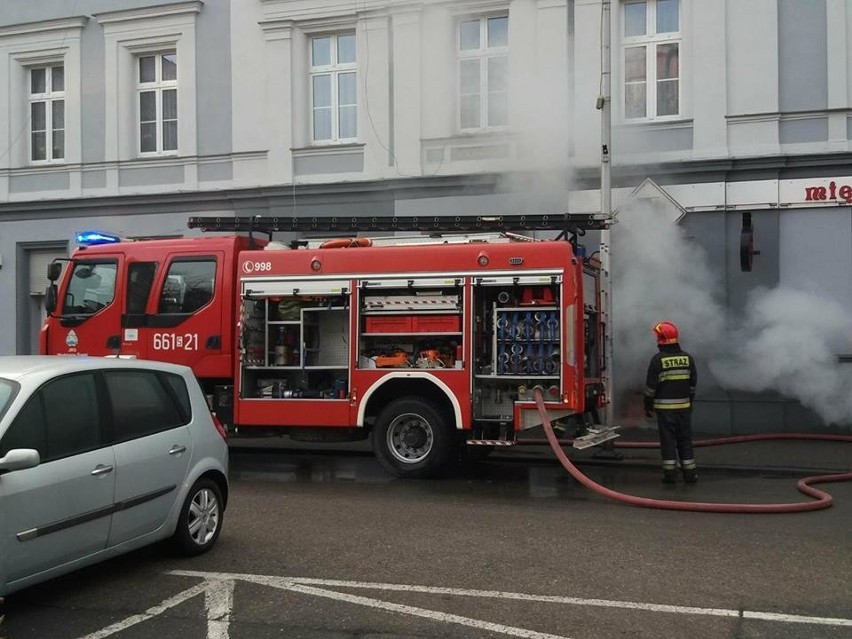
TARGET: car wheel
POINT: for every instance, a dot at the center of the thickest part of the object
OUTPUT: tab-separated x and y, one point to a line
412	439
200	518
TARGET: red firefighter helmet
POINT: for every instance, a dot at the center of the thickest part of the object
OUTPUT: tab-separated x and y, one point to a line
666	333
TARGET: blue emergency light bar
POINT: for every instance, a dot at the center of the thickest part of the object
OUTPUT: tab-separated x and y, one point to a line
90	238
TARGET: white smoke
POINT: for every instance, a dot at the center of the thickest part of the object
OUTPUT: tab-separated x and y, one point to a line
658	274
787	341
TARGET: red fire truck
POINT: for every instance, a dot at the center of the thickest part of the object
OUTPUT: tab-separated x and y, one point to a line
430	342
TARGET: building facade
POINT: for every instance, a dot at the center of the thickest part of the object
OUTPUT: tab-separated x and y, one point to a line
128	116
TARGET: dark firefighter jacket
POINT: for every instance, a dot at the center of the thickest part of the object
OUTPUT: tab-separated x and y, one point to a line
671	380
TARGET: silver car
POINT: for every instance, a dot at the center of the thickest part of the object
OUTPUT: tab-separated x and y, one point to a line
99	456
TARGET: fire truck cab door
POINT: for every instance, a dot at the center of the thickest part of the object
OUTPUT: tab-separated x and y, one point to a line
185	314
89	315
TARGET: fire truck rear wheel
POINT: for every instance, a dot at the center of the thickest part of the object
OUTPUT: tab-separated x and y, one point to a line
412	438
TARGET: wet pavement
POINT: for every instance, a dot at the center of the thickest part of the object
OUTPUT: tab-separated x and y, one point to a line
319	542
771	456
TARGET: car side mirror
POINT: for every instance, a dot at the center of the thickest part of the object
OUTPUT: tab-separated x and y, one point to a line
19	459
50	297
54	270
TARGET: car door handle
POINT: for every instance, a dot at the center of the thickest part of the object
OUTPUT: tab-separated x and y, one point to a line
100	469
177	450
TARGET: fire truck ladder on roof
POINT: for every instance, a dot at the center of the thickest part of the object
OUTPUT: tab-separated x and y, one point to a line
574	223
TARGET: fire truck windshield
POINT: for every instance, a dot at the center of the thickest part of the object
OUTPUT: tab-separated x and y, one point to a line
90	288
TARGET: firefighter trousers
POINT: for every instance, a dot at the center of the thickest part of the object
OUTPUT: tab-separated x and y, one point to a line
676	437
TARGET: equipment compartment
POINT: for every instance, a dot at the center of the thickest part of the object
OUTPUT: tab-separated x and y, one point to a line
411	324
517	345
294	347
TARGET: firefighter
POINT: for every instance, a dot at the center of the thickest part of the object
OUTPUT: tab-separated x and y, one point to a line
669	392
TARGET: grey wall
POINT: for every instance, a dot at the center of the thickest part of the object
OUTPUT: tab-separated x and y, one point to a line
213	77
719	235
802	249
93	93
802	55
816	253
19	11
213	66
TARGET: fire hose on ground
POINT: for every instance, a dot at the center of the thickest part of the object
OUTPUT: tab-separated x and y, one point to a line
823	499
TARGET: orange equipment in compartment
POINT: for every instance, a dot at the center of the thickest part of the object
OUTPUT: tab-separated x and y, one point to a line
537	296
400	358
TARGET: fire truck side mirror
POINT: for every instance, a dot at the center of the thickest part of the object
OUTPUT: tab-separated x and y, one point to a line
50	296
54	270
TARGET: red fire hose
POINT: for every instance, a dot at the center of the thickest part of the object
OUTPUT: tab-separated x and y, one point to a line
823	499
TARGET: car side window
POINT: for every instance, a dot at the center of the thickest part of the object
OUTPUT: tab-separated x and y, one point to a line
178	386
28	430
72	414
62	418
8	390
142	404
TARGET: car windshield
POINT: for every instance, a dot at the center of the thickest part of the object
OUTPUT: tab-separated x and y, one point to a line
91	287
8	390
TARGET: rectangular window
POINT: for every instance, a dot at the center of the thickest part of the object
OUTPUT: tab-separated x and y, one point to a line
483	72
62	418
157	89
334	93
188	286
140	278
142	404
91	287
651	41
47	113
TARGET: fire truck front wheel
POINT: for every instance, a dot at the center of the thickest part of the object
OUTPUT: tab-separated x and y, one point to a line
412	438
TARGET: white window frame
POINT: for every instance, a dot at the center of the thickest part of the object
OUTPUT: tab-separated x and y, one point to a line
46	97
334	71
484	53
650	40
158	86
128	35
30	45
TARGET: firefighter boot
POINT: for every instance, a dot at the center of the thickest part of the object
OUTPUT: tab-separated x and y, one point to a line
669	471
690	473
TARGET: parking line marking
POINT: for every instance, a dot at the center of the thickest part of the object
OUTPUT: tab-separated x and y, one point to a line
604	603
219	601
433	615
772	616
150	613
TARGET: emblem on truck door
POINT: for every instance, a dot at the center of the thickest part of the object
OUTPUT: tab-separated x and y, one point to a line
71	339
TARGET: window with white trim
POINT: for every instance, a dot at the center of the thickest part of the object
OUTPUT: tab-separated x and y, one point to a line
651	44
157	102
483	72
334	95
47	113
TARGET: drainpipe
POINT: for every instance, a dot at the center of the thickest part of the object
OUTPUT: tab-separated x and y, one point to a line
604	104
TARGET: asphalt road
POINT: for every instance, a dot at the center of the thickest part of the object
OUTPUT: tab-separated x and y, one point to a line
326	545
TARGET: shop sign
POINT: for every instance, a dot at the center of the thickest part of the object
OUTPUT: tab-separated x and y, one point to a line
834	192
